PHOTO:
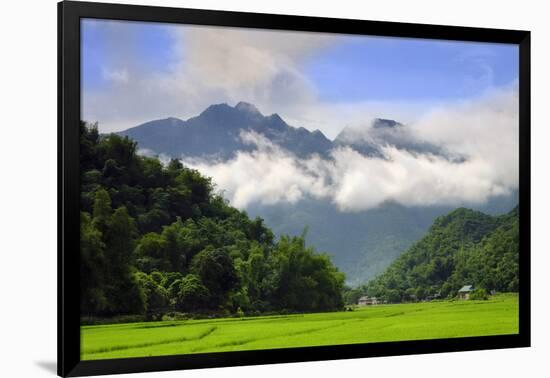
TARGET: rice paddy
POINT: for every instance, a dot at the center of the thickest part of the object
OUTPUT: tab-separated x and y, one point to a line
392	322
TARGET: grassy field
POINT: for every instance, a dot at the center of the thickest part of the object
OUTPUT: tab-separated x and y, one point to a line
497	316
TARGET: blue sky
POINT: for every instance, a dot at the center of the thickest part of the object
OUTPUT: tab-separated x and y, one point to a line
400	69
355	68
151	46
133	72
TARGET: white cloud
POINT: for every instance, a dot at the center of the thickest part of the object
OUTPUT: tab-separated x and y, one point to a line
485	132
117	76
211	65
268	175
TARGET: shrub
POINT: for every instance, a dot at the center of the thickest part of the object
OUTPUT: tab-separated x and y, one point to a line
479	295
174	315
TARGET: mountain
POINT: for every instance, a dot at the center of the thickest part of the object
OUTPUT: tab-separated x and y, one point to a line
362	244
216	133
464	247
370	139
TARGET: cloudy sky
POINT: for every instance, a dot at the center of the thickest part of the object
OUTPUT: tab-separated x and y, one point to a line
134	72
461	96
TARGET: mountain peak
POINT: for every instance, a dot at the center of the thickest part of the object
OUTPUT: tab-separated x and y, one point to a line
247	107
381	123
216	108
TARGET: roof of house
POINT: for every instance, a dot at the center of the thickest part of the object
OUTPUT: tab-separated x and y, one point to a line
466	288
365	298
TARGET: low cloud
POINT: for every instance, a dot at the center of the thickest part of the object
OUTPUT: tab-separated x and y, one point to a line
266	175
484	132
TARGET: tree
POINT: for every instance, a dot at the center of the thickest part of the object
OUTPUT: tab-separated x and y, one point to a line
393	296
152	253
155	295
122	291
302	280
92	267
176	246
102	210
479	295
190	294
217	272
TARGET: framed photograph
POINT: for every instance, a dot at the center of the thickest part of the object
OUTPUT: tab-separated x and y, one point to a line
240	188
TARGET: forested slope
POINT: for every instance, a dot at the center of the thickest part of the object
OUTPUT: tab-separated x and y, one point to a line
465	247
158	238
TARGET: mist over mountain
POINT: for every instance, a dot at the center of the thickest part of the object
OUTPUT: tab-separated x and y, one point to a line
294	178
370	138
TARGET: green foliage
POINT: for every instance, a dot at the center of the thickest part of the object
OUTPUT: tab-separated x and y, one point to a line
157	239
304	280
190	294
92	264
461	248
351	295
215	269
479	295
154	294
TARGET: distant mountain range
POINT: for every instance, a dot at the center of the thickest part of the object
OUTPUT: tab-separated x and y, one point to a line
215	133
362	244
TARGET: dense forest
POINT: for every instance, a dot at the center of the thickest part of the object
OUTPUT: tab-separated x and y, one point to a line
465	247
157	238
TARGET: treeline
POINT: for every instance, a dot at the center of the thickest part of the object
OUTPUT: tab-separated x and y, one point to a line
156	238
465	247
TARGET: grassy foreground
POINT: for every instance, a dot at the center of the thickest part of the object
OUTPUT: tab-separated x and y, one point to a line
397	322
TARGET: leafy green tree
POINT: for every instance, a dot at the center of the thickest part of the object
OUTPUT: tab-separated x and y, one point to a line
102	210
92	267
177	249
420	293
216	270
302	280
152	254
155	296
152	220
191	294
122	291
479	295
393	296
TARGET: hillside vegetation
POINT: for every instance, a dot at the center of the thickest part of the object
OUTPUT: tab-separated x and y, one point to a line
465	247
156	239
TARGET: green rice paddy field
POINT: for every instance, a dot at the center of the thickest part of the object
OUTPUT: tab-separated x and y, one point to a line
429	320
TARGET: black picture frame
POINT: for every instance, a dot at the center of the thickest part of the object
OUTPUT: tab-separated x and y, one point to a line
69	15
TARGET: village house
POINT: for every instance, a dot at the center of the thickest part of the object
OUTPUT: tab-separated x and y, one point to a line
367	301
434	296
465	291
